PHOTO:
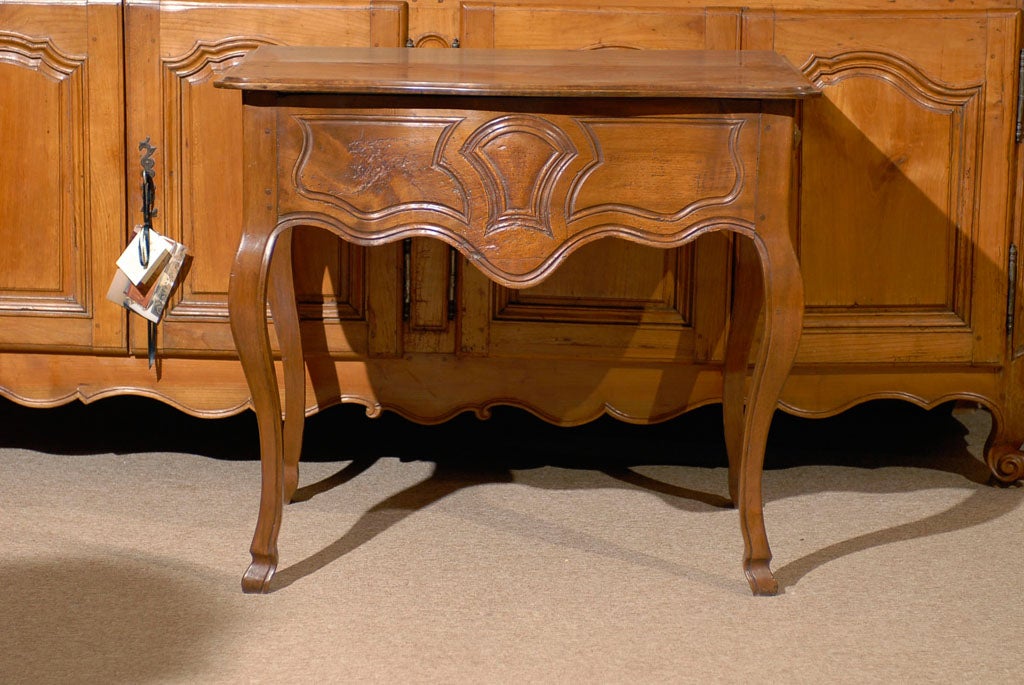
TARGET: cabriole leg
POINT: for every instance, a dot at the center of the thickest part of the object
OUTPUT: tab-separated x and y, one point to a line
285	312
247	309
783	307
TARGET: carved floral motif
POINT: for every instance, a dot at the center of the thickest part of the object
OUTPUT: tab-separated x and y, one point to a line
385	174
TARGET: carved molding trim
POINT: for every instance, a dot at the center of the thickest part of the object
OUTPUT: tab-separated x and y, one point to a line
324	309
212	54
39	55
733	126
902	75
392	231
36	305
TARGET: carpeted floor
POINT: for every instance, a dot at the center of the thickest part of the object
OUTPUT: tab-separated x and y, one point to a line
507	551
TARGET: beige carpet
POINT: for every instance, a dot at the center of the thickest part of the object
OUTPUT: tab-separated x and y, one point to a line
504	552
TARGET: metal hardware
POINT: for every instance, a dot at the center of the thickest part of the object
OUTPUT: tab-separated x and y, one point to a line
1011	291
406	278
148	212
1020	97
453	275
148	195
410	43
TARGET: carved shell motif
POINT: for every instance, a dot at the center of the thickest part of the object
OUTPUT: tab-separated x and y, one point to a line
519	158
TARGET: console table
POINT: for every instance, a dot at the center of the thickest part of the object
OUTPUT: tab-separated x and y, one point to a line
517	158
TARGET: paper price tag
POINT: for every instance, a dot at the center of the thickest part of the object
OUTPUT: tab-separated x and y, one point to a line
130	261
150	298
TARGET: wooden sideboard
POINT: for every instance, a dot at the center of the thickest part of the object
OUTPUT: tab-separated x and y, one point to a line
910	221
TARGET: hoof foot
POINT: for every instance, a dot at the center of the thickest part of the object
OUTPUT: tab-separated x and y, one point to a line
762	580
257	577
291	483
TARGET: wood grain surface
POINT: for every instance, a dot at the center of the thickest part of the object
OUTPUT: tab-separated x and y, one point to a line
757	74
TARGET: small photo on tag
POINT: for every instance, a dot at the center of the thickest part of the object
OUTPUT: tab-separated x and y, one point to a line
149	299
130	261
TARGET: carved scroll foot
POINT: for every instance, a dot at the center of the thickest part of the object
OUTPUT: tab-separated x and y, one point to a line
259	574
1003	452
1006	462
759	575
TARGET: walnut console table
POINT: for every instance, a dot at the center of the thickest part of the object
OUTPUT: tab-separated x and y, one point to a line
517	158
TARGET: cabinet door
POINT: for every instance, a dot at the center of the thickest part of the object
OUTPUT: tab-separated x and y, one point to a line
61	187
906	181
174	54
612	299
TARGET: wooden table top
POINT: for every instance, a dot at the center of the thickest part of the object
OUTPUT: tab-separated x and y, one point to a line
734	74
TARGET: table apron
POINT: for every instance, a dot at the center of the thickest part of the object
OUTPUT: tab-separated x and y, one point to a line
518	189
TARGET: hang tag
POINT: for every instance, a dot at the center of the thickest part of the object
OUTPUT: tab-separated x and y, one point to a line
131	260
149	299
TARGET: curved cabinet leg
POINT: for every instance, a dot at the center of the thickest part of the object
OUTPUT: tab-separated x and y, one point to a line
247	296
284	309
1003	452
783	318
746	307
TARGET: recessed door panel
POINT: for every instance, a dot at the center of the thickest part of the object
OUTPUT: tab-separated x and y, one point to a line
197	129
